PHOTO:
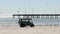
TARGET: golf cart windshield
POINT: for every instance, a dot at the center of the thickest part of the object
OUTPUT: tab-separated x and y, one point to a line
25	19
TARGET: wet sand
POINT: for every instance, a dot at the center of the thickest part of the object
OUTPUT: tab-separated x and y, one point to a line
30	30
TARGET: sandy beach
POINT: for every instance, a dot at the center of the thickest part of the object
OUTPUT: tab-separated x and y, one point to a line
30	30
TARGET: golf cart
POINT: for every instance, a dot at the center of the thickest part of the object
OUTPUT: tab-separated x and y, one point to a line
25	22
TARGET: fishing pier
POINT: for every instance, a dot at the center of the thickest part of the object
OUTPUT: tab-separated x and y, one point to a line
38	15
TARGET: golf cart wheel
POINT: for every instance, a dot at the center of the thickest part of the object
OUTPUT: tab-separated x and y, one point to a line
22	25
32	25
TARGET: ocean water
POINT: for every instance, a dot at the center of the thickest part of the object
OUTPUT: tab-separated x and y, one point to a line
36	21
8	21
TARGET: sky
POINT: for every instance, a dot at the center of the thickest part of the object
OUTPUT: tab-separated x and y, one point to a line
9	7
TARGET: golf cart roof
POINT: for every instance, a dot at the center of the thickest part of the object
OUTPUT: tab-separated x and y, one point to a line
25	18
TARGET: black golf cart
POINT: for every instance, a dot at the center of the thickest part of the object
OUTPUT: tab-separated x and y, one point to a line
25	22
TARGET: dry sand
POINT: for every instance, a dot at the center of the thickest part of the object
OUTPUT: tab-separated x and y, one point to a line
30	30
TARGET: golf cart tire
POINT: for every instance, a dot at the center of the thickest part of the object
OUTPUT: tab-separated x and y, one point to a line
22	25
32	25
